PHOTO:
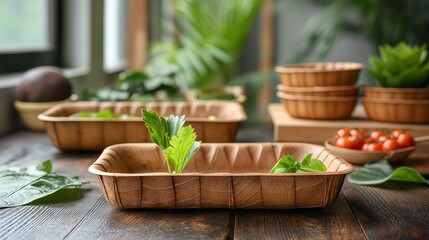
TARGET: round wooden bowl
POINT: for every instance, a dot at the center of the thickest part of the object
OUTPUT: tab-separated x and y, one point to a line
396	93
315	107
319	74
397	110
29	111
320	91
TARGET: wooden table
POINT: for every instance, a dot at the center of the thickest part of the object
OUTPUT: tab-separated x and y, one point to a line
394	211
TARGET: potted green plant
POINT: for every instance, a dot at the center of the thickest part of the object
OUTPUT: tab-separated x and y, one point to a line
403	73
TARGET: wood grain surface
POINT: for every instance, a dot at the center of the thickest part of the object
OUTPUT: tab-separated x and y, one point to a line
391	211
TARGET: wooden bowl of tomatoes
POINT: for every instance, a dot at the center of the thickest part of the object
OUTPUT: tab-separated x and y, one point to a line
359	146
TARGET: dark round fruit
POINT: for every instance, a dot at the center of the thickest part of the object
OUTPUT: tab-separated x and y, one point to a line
43	84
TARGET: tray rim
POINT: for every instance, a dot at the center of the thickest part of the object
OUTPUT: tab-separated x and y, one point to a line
350	168
47	115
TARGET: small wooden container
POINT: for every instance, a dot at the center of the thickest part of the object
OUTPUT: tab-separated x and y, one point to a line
314	107
319	74
333	91
28	112
229	175
396	93
212	121
397	110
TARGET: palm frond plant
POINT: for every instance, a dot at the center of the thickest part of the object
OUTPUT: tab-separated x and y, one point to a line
211	37
204	53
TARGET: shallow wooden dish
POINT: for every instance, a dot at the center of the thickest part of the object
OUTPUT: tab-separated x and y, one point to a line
317	107
359	157
228	175
397	110
319	74
212	121
28	112
332	91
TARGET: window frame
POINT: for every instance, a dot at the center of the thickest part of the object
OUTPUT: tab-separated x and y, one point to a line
20	60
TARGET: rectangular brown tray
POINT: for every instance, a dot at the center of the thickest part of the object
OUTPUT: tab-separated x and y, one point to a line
212	121
224	175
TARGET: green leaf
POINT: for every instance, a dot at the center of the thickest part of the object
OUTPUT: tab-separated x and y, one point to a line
15	178
380	171
106	113
311	165
182	147
289	164
44	186
157	127
175	123
286	164
21	185
306	160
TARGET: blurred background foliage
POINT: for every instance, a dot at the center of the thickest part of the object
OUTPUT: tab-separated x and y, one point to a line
381	22
204	42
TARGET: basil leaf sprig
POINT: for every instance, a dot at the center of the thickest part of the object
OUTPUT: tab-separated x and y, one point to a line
178	143
289	164
23	185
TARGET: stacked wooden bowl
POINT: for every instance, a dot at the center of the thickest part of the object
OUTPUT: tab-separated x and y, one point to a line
325	90
398	105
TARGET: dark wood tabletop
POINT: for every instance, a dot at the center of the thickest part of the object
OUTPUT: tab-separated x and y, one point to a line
391	211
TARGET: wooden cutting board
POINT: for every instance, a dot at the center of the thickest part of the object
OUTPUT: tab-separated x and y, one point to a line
289	129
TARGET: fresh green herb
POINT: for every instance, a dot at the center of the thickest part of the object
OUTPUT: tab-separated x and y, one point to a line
178	143
289	164
401	66
21	185
105	114
380	171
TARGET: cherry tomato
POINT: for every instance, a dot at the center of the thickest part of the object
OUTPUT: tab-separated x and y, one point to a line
376	134
357	142
390	144
358	133
396	133
342	132
344	142
405	140
371	147
383	138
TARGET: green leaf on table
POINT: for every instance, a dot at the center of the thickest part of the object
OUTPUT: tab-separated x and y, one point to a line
380	171
21	185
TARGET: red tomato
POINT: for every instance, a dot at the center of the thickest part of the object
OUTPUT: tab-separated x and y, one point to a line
405	140
344	142
396	133
383	138
358	133
357	142
390	144
371	147
376	134
342	132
